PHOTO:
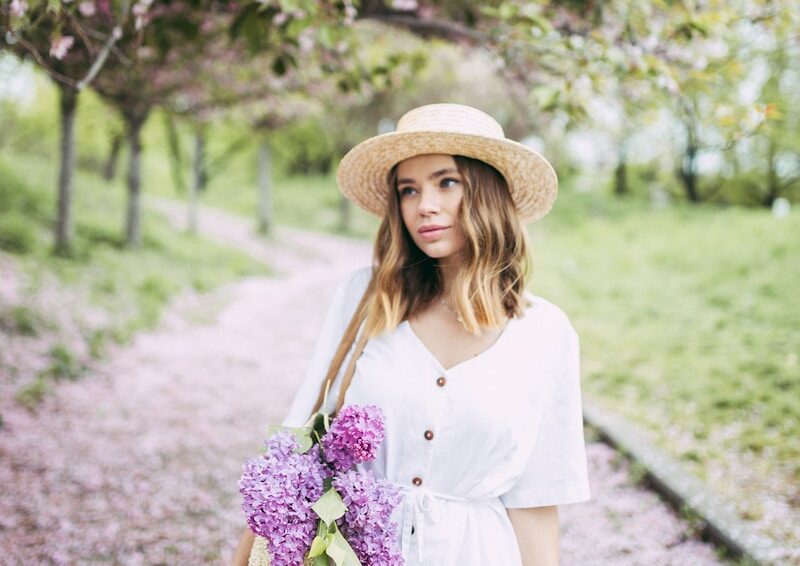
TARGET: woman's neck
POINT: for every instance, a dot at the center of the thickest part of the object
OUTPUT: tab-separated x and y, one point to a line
448	268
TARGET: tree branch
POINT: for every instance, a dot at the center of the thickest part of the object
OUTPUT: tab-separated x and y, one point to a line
115	34
425	28
55	75
113	37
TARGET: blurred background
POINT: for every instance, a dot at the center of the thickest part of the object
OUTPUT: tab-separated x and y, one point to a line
674	245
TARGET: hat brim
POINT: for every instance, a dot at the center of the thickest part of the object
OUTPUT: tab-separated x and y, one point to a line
363	172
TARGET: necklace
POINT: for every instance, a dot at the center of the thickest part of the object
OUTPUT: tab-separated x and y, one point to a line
448	307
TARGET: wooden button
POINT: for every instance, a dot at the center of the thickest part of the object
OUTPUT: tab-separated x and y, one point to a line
441	381
428	435
417	481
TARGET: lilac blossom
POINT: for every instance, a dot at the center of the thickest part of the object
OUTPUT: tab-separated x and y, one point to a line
367	523
279	488
354	436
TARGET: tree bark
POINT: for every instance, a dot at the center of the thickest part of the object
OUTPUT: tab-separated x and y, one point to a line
68	103
198	166
621	172
688	170
264	188
175	156
345	214
110	167
773	187
134	122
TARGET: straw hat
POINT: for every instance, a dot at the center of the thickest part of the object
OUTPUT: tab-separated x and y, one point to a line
452	129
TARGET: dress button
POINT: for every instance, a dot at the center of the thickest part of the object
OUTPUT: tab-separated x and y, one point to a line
428	435
441	381
417	481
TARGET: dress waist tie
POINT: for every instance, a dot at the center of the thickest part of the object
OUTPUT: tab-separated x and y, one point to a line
421	501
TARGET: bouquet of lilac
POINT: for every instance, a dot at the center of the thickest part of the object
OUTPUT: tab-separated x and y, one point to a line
305	497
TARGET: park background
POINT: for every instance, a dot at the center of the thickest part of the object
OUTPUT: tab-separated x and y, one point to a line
673	245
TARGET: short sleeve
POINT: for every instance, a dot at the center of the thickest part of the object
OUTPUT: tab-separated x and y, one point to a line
556	473
345	300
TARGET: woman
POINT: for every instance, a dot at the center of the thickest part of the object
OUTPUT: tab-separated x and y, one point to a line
477	377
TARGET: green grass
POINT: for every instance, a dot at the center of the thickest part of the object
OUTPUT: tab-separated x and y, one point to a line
129	286
689	319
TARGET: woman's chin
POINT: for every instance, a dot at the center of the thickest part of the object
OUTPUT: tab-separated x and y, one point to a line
437	250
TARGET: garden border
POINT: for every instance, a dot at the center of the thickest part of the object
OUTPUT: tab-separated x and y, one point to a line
665	475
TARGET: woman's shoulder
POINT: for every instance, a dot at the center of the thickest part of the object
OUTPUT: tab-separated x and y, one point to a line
351	287
541	313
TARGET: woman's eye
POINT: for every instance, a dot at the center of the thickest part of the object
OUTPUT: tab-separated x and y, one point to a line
406	191
446	183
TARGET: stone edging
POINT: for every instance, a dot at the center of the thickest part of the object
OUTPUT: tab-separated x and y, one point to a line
668	477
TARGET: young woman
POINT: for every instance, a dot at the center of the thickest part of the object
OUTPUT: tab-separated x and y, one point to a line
477	377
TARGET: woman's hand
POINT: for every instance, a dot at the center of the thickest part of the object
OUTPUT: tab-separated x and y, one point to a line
537	531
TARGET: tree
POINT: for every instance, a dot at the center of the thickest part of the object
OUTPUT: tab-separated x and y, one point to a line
47	33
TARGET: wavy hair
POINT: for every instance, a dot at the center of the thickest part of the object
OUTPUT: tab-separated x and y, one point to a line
490	284
488	287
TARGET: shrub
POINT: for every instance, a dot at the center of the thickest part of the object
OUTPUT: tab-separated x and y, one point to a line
17	233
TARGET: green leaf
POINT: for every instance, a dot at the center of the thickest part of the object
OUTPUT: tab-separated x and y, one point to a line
303	438
546	96
341	552
321	560
318	546
272	430
325	37
330	506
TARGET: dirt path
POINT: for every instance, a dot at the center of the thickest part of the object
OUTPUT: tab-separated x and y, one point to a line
138	464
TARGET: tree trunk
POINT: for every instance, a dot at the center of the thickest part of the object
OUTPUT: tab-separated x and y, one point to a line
110	167
345	214
773	187
197	178
175	157
688	171
134	122
68	104
621	172
264	188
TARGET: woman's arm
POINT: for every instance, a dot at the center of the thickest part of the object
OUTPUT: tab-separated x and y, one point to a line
242	554
537	533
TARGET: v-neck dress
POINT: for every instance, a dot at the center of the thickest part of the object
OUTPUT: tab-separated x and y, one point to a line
503	429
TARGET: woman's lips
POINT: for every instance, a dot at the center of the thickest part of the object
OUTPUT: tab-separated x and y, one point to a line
433	234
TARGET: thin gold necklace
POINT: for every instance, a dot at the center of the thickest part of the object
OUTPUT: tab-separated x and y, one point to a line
448	307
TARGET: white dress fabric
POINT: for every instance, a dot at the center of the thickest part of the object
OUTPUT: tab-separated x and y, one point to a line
503	429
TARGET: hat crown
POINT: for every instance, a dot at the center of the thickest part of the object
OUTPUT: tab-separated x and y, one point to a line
456	118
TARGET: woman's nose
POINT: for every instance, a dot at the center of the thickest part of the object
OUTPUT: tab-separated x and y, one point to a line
429	201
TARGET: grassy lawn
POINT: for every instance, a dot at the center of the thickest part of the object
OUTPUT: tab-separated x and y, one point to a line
125	290
689	319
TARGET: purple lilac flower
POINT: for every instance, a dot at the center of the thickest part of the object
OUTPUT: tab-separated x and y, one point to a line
367	524
279	488
354	436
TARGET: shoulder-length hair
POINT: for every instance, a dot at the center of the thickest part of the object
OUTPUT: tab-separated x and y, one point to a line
490	285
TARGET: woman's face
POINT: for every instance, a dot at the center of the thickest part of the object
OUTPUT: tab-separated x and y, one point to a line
430	190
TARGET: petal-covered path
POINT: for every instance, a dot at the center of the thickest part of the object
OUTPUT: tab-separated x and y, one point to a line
139	463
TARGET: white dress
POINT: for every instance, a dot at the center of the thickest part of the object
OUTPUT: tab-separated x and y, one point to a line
500	430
